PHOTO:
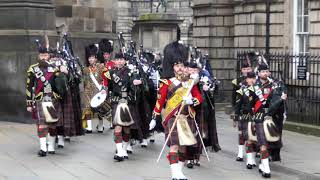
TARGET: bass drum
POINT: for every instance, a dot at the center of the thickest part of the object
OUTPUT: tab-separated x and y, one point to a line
100	104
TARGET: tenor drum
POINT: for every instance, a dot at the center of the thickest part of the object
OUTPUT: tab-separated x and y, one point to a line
100	104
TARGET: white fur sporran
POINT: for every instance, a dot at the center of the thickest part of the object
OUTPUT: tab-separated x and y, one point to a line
270	130
48	116
123	116
252	135
186	137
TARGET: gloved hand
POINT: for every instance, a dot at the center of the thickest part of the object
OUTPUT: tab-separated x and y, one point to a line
137	82
64	69
194	76
188	100
152	124
284	96
206	87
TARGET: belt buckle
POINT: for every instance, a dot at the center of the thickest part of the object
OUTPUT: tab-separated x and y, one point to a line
47	99
122	100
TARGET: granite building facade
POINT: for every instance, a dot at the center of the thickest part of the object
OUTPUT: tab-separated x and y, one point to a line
218	27
223	27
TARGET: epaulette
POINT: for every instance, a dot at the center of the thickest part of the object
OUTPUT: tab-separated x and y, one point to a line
31	67
251	88
105	69
240	91
235	82
164	81
107	74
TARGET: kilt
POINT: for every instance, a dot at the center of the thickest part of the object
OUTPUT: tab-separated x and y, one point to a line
132	110
39	115
71	126
174	137
243	125
260	134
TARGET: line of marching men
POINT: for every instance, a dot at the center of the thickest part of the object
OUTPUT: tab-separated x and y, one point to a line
259	113
125	88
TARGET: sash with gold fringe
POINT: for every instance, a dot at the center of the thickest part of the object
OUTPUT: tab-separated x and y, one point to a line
174	102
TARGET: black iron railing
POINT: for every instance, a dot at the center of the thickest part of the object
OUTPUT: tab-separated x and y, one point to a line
301	75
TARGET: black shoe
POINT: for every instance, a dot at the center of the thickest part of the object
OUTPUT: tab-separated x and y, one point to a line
51	152
197	163
42	153
88	131
67	139
239	159
152	140
125	157
216	148
100	131
249	166
144	146
190	165
118	158
129	152
60	146
275	157
266	175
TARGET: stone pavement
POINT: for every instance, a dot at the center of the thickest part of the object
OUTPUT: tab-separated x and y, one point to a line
91	157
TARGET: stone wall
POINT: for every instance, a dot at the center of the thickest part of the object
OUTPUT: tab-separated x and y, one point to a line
213	32
85	16
130	10
21	23
24	21
223	27
250	26
314	27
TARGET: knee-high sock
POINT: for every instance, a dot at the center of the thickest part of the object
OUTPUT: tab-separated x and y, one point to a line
51	143
42	132
89	125
43	144
118	137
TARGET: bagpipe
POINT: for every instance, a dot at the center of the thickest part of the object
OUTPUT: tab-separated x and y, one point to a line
75	68
206	76
140	63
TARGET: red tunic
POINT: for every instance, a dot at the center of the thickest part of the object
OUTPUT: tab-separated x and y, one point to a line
163	93
108	65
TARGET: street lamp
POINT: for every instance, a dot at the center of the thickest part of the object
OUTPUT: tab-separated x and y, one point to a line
268	3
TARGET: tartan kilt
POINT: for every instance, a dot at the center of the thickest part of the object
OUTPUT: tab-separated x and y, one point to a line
260	134
39	115
135	130
174	137
243	125
68	116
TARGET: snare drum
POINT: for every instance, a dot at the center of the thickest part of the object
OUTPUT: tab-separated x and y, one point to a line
99	103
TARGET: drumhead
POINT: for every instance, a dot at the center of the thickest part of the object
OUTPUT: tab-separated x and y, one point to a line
98	99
